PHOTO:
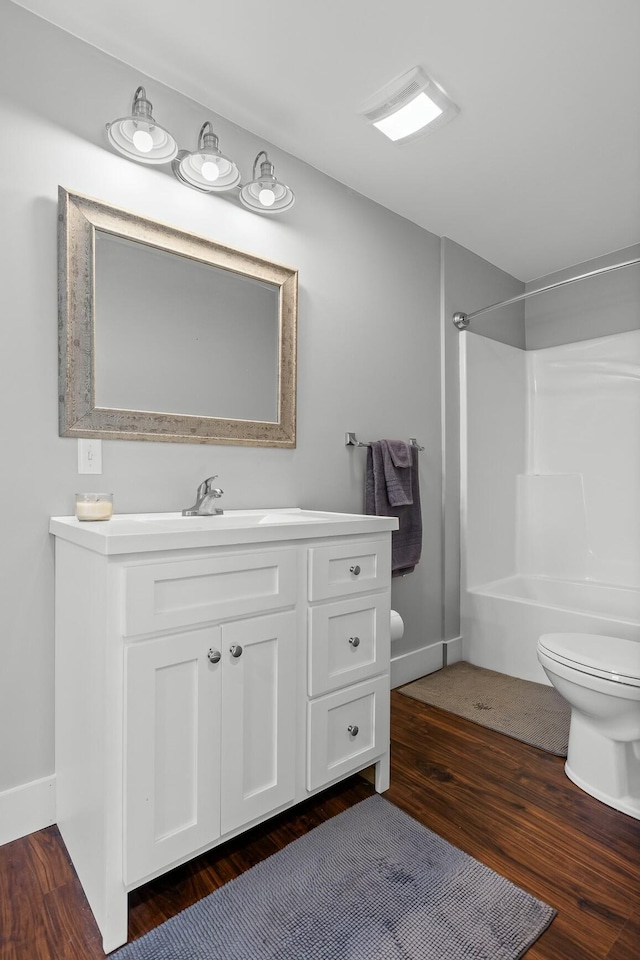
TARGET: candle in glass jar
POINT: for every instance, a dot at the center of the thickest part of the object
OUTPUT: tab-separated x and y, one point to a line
94	506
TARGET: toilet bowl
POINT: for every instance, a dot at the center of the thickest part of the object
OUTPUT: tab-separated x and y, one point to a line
600	678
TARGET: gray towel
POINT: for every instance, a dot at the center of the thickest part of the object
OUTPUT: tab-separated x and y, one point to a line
406	542
396	459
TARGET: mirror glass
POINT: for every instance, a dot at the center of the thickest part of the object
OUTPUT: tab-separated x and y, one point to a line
218	358
165	335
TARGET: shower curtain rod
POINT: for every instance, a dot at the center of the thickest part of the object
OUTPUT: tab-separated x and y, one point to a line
461	320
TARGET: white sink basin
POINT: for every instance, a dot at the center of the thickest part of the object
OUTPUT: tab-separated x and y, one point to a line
230	520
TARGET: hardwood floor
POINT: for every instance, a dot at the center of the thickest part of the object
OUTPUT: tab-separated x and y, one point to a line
505	803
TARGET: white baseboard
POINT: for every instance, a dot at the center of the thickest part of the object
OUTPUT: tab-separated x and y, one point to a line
27	808
453	650
418	663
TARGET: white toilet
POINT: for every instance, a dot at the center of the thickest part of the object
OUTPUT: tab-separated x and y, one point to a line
600	678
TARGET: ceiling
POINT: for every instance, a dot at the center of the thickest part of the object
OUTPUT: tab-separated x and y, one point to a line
540	170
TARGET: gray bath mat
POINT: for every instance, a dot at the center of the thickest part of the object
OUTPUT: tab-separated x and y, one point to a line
369	883
532	712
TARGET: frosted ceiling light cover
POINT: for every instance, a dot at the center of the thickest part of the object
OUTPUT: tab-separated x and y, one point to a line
409	119
139	137
206	168
409	107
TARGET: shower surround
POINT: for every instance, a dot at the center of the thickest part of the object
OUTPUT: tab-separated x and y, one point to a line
550	496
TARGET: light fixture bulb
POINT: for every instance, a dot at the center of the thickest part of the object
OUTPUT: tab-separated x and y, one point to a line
267	197
210	171
142	141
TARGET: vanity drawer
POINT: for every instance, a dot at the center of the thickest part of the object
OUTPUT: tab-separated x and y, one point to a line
166	596
347	730
348	642
342	569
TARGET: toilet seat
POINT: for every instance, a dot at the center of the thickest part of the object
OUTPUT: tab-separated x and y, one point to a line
611	658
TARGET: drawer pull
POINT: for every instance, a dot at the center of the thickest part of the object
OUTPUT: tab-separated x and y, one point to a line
353	729
355	570
214	655
354	641
235	650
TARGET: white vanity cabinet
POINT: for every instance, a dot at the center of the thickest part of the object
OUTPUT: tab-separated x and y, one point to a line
209	674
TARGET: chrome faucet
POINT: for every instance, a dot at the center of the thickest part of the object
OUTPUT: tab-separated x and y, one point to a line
205	500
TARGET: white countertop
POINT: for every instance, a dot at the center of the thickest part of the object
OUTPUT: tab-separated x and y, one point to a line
143	532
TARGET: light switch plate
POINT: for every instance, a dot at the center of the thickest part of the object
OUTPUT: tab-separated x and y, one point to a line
89	456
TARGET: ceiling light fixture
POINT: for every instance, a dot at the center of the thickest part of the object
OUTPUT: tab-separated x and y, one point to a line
265	193
139	137
409	107
206	168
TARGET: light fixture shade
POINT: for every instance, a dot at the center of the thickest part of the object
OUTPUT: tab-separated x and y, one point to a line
206	168
266	193
410	106
139	137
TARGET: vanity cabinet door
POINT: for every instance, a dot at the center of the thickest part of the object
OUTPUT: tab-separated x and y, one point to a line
172	749
259	710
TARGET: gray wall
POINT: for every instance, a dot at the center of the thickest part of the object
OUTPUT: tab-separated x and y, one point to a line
369	357
597	307
468	283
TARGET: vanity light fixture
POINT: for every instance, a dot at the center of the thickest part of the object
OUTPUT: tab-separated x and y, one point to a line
206	168
409	106
139	137
266	193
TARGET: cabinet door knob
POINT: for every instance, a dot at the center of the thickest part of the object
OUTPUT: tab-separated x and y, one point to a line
214	655
355	570
235	650
354	641
353	729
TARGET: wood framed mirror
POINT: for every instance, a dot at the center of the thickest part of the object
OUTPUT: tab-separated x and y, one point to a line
165	335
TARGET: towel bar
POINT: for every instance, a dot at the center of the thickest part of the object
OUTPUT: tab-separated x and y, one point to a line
350	440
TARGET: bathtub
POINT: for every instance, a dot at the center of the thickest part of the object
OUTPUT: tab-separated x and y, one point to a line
502	621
